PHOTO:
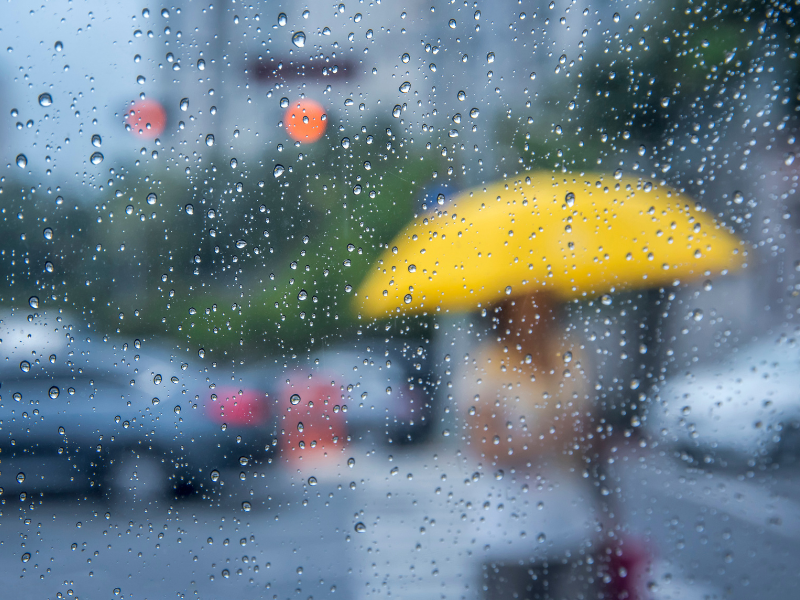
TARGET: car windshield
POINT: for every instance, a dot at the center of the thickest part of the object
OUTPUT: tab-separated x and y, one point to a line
368	299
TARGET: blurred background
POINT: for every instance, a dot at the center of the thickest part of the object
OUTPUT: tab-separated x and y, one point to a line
182	255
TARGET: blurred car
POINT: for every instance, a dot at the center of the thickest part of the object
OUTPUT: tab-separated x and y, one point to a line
744	409
79	410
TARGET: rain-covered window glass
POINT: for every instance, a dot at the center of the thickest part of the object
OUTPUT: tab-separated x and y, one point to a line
379	299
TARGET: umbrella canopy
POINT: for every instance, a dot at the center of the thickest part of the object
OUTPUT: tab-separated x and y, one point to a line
565	234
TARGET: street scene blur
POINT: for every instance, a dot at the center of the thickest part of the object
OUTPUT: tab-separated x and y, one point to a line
417	300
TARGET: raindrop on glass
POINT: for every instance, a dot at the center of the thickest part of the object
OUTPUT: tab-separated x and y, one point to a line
360	528
24	366
210	140
97	141
294	399
184	104
33	302
96	158
278	171
189	209
151	198
214	475
48	233
22	161
282	20
299	39
45	99
54	392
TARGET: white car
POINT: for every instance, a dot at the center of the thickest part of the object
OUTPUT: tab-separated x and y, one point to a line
743	409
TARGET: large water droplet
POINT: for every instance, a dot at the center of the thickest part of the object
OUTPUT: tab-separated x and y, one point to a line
97	141
300	427
96	158
396	111
189	209
48	233
246	506
210	140
201	65
25	366
299	39
407	298
33	302
151	198
58	46
22	161
294	399
282	20
201	353
45	99
312	481
360	528
54	392
405	87
241	244
184	104
214	475
27	556
278	171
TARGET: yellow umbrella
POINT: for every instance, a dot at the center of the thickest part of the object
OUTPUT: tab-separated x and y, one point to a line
566	235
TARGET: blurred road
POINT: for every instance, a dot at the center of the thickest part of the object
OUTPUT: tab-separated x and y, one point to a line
710	535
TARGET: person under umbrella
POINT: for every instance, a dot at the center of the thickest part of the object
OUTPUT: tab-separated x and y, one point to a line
519	249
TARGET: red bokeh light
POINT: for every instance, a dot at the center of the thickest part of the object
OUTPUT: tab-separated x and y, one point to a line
147	118
305	121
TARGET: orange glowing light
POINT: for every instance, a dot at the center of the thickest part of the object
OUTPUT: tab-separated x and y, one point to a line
305	121
147	118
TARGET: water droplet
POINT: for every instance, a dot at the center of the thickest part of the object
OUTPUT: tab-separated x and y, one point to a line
570	199
96	158
210	140
184	104
541	538
474	113
396	111
59	46
406	57
405	87
490	57
24	366
303	295
312	481
22	161
141	80
54	392
412	268
177	409
407	298
665	101
345	142
201	65
45	99
360	528
294	399
618	174
214	475
243	461
27	556
282	20
738	197
155	401
508	290
165	13
97	141
49	267
240	244
234	163
284	104
157	379
697	315
48	233
33	302
299	39
605	299
151	198
189	209
300	427
246	506
351	462
201	353
789	158
278	171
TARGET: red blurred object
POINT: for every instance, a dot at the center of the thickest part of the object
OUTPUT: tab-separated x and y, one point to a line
238	407
314	428
628	563
305	121
147	118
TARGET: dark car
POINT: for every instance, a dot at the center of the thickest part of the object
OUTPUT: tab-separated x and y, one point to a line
81	410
